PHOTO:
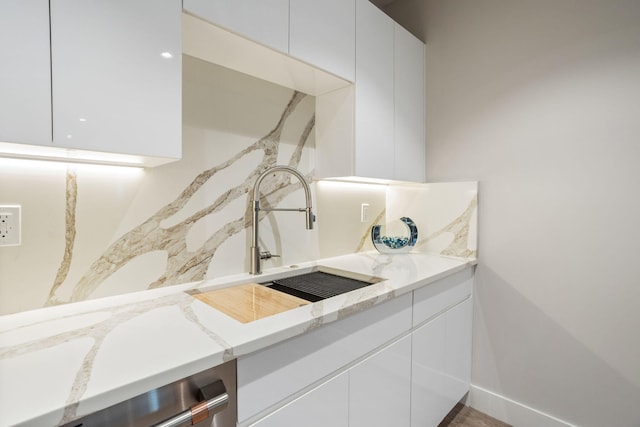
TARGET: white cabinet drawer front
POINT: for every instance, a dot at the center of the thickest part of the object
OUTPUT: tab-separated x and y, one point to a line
324	406
271	375
440	295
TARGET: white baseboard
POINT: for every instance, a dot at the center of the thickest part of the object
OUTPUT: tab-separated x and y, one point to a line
510	411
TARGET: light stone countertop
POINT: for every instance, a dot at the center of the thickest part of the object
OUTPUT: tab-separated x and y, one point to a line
60	363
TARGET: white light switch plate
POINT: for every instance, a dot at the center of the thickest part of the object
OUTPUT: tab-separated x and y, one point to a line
10	225
364	212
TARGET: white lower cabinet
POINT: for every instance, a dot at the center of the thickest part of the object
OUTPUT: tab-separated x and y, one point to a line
379	388
373	393
271	376
325	405
403	363
441	365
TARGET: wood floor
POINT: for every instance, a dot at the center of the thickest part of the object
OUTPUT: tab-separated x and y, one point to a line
464	416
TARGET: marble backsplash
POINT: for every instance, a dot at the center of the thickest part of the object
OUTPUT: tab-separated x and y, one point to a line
95	231
444	213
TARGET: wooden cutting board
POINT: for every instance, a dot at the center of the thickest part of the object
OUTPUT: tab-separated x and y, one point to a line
250	301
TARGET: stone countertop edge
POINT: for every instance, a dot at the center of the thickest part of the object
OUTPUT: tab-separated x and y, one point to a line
121	341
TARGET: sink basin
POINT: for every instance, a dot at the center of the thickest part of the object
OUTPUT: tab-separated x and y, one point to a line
253	301
321	283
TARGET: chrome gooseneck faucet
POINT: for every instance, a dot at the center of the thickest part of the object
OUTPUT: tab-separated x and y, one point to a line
256	255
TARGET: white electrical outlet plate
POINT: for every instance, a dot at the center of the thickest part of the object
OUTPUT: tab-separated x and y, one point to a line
10	225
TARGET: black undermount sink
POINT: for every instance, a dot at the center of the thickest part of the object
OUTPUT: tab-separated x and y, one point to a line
321	284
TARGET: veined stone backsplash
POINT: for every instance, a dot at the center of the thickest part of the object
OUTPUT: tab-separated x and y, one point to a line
444	213
91	231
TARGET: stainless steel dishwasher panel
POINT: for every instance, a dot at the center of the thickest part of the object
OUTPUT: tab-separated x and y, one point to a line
207	398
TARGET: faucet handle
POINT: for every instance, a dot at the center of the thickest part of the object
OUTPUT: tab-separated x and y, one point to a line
268	255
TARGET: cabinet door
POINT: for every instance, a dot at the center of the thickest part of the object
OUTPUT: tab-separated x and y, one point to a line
271	375
116	76
322	33
441	365
374	116
380	386
25	74
264	21
409	99
326	405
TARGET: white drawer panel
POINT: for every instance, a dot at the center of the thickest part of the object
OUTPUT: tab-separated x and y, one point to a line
270	375
326	405
440	295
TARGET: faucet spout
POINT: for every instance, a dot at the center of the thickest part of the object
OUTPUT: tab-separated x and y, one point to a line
256	254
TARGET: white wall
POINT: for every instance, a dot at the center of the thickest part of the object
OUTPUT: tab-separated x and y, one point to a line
540	101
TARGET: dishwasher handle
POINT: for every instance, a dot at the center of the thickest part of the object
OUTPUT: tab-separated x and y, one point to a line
201	410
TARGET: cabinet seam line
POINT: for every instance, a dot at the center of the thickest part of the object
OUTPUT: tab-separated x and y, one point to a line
51	71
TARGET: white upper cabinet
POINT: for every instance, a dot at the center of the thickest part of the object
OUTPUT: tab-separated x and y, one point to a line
264	21
409	99
374	109
25	79
103	78
375	129
322	33
116	73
